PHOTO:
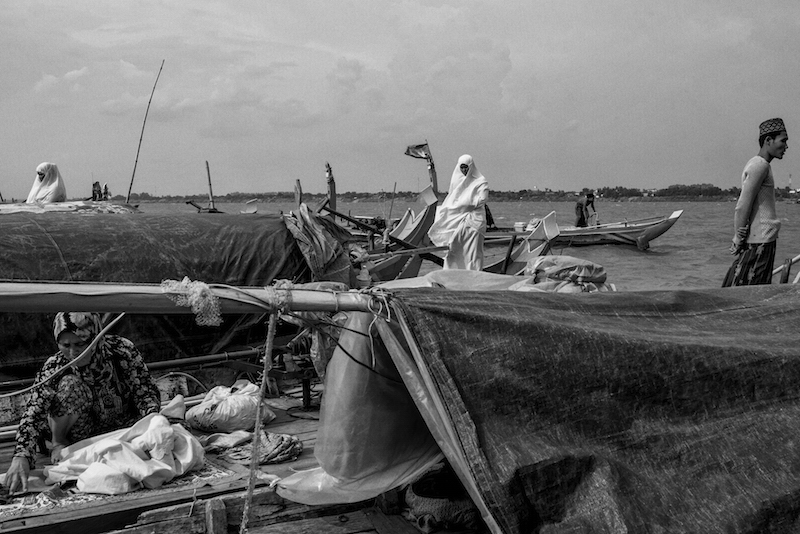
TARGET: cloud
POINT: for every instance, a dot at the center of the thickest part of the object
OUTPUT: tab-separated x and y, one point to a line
47	82
50	83
122	104
75	74
129	71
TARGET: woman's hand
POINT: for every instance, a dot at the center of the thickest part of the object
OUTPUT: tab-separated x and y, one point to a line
17	475
55	454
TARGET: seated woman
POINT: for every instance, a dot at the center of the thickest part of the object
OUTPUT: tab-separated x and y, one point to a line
48	186
107	389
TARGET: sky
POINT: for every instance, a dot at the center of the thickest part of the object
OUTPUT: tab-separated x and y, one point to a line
559	94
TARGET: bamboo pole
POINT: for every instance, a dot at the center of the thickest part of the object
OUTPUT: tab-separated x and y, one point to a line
786	265
412	252
48	297
254	457
136	162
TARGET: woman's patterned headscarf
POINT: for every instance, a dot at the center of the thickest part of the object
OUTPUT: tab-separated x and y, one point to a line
85	325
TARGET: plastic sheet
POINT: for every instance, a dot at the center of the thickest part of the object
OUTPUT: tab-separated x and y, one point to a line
371	436
148	454
228	409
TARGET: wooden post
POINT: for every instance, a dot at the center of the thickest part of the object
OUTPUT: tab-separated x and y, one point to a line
298	192
432	170
785	270
210	193
391	205
331	186
216	517
510	249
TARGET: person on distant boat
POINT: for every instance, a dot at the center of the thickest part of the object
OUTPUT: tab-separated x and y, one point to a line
48	186
461	219
108	389
97	192
755	221
582	215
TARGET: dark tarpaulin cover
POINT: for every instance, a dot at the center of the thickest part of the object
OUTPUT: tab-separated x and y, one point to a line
235	249
660	411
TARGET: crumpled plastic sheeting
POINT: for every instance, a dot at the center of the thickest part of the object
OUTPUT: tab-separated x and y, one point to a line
227	409
558	274
652	411
371	436
563	274
148	454
321	243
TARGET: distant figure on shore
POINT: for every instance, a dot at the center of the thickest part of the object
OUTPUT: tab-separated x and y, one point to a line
461	219
106	192
582	215
97	192
48	186
755	221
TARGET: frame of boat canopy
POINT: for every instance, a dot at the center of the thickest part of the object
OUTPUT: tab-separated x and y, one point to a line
47	297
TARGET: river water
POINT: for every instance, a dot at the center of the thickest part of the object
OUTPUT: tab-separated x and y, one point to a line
692	254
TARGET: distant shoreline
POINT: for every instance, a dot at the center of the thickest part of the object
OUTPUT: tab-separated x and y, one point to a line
493	199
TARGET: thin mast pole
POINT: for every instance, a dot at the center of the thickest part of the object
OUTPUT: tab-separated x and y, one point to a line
130	187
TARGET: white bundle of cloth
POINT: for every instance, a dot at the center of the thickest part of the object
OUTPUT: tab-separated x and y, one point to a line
148	454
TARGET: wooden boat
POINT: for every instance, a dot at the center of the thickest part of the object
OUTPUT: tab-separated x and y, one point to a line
408	237
407	243
637	232
531	245
454	356
221	496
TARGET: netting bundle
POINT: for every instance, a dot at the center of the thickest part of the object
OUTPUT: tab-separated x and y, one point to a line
197	296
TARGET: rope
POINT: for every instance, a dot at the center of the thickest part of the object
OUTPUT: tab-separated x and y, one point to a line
273	319
87	351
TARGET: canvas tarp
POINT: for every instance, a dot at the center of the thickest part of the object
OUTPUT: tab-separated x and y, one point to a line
660	411
234	249
656	411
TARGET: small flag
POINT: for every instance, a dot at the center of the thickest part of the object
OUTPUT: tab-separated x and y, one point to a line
418	151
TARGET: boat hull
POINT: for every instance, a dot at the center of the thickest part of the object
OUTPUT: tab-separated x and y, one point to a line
635	233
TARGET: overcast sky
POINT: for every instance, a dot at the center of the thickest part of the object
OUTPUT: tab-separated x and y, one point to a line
562	94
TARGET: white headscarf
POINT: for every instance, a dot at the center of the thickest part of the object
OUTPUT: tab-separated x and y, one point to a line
464	204
47	188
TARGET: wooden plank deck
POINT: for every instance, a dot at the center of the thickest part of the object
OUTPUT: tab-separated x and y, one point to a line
216	506
184	509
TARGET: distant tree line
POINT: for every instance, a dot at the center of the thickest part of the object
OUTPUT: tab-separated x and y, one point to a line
698	192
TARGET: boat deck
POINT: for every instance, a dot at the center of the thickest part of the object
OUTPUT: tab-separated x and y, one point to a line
210	500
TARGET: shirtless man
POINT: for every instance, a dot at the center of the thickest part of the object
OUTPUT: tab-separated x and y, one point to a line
755	222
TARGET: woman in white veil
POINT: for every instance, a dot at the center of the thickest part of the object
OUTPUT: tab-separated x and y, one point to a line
461	219
48	186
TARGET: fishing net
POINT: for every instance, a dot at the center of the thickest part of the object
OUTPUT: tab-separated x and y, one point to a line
197	296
